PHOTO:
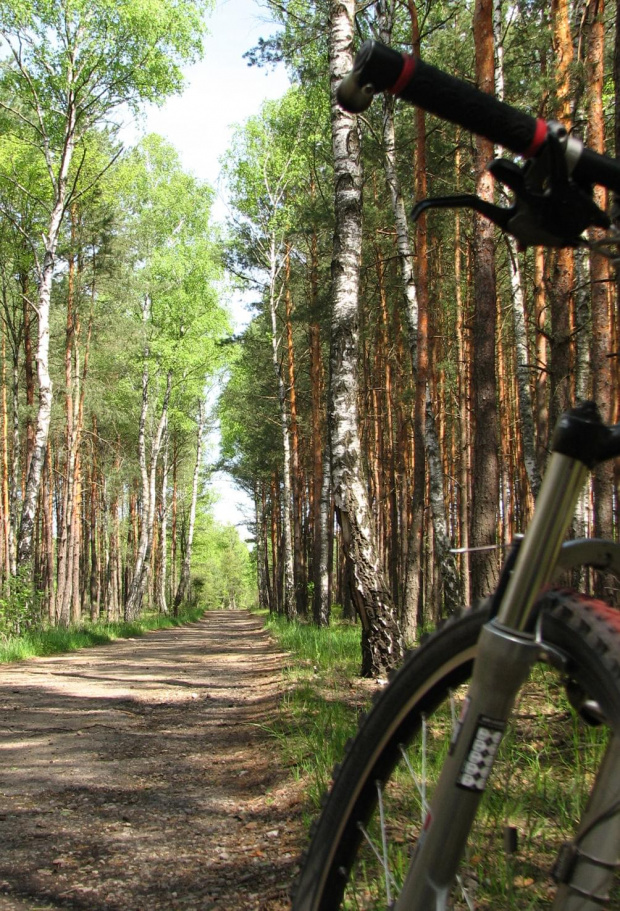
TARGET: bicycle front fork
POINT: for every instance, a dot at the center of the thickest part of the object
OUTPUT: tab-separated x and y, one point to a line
505	656
585	867
502	656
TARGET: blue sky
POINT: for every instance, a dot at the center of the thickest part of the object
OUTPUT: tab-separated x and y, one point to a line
221	91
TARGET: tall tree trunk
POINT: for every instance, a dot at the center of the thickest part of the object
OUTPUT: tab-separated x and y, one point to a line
526	412
464	435
427	450
262	547
6	492
320	602
289	603
184	581
173	518
140	576
485	493
299	569
381	640
48	525
44	412
602	345
542	366
97	530
28	367
160	597
561	262
65	574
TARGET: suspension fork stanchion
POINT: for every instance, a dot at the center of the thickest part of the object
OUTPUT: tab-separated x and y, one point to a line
502	665
505	656
540	548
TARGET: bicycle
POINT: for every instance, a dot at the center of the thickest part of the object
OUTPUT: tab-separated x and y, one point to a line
414	810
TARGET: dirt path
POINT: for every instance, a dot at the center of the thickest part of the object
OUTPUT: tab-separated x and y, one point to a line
141	775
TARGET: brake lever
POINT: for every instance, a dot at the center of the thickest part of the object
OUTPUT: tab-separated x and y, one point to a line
497	214
550	209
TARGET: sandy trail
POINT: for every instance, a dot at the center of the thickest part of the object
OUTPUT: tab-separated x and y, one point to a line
143	775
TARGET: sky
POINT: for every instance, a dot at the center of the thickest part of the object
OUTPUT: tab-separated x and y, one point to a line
221	91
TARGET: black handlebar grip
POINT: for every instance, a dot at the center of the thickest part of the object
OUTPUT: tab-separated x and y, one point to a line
457	101
378	68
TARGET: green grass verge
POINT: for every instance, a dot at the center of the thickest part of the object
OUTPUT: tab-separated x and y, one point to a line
323	699
54	640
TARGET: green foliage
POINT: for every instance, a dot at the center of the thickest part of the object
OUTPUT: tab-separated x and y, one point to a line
175	266
250	435
20	607
54	640
223	575
121	52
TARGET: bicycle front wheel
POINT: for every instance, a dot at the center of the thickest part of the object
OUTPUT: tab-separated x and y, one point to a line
548	762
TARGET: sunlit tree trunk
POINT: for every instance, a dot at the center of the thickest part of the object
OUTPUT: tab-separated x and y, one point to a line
601	345
561	277
182	592
140	576
381	639
299	570
46	274
320	490
485	468
289	603
527	427
162	561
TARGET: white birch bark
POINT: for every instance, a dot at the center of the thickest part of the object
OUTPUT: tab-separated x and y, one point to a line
322	601
140	576
290	607
382	645
160	597
184	582
45	268
44	412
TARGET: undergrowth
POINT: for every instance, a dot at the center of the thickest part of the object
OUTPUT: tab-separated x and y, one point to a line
54	640
323	701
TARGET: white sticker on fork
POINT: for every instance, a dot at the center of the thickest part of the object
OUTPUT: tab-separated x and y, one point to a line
481	755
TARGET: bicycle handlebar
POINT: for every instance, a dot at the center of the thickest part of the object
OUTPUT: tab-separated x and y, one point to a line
378	68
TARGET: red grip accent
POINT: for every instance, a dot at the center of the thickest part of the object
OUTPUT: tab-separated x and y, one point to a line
540	135
406	74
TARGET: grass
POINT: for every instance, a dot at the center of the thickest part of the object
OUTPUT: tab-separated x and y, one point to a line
323	701
55	640
539	787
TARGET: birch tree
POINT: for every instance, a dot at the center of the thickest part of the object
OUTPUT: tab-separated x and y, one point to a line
382	646
182	591
264	173
66	68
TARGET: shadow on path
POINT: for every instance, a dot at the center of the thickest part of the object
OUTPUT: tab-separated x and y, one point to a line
142	775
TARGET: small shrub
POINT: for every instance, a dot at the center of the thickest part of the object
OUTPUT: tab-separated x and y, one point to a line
20	607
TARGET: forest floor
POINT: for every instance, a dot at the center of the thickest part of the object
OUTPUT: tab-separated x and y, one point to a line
142	775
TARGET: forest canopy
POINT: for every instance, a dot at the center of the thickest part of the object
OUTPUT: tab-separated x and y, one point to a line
396	429
389	405
112	314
